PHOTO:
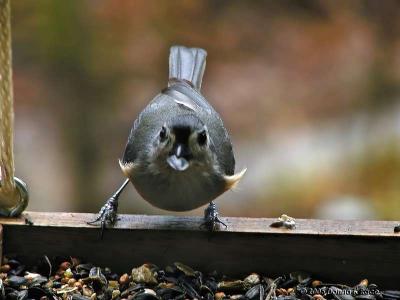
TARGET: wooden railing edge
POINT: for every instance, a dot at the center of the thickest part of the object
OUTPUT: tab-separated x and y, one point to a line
235	224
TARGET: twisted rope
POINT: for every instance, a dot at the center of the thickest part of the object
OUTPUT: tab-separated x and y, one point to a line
6	101
13	192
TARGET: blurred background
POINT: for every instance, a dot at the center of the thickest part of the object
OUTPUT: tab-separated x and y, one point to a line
309	90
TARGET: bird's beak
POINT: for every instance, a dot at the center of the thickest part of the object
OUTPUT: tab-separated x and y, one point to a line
176	161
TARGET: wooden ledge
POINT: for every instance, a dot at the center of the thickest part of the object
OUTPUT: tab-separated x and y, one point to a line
235	225
345	251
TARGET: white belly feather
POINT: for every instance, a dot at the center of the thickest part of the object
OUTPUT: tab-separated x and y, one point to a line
179	191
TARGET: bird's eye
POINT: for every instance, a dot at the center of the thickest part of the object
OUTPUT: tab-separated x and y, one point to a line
202	138
163	134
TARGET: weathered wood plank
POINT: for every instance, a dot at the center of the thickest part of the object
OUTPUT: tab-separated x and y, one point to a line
344	251
235	225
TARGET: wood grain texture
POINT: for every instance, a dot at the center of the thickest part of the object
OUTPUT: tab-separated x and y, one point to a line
345	251
235	225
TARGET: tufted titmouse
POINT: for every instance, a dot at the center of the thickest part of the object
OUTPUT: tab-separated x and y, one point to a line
179	155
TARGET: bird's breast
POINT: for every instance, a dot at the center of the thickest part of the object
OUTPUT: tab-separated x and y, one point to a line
179	191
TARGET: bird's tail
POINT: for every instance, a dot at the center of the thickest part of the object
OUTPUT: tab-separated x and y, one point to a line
187	64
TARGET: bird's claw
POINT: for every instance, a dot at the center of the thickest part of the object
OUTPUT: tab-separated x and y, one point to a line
107	215
211	218
211	225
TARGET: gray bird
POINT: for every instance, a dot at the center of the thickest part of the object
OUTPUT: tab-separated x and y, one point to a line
179	155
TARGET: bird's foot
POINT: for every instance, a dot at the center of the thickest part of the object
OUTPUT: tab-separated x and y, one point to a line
107	214
211	218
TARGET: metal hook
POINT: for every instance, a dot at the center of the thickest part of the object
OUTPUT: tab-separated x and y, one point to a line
22	202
